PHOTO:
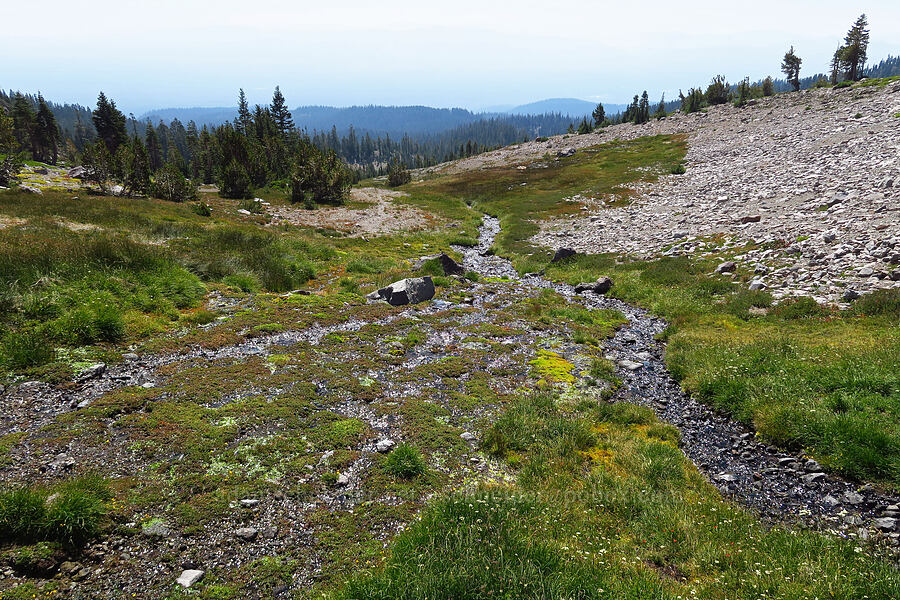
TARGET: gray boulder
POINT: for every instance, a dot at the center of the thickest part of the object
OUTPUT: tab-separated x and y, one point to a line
601	286
406	291
75	172
562	254
726	267
566	152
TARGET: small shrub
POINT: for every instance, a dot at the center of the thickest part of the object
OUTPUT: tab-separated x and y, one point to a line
879	303
678	170
405	461
202	209
843	84
201	317
22	350
251	205
798	308
472	276
169	184
398	174
109	323
244	282
739	304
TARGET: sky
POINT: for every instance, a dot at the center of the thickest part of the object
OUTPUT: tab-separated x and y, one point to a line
466	53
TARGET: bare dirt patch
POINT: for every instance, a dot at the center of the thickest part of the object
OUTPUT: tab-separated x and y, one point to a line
379	214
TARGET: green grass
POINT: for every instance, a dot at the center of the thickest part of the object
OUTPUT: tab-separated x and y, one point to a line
608	507
807	377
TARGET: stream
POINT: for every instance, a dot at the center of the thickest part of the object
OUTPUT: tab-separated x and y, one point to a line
777	485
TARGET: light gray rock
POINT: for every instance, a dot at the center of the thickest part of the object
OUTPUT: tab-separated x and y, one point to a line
757	284
384	445
469	437
247	533
189	577
885	524
630	365
249	502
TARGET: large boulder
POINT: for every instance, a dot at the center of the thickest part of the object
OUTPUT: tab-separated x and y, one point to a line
562	254
450	266
601	286
406	291
75	172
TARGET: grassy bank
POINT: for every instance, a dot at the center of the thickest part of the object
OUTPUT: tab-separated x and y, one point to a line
807	377
607	507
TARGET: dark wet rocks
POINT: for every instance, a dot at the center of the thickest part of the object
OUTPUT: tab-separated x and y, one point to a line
601	286
406	291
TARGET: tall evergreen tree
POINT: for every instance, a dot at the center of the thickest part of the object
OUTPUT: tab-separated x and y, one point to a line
47	133
154	150
790	66
24	125
856	45
244	119
281	113
109	123
599	115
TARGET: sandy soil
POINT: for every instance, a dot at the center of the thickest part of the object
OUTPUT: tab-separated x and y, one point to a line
380	216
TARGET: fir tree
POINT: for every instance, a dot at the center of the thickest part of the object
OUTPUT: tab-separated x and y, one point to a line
46	133
856	45
790	66
244	120
660	108
154	150
280	112
109	123
599	115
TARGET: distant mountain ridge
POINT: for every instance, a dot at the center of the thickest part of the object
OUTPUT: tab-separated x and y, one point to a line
385	120
572	107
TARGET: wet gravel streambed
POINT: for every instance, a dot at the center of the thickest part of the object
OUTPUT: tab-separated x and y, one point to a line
777	485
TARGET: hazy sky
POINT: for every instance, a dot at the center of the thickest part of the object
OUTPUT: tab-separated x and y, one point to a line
470	53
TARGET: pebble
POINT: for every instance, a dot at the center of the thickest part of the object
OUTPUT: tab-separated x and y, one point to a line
189	577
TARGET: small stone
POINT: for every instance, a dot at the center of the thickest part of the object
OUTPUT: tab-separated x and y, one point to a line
130	356
757	285
727	477
343	480
853	498
830	501
469	437
630	365
384	445
751	219
249	502
189	577
726	267
156	528
246	533
850	295
93	371
62	461
813	477
885	524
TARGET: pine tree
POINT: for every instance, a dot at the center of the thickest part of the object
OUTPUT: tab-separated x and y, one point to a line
154	151
718	91
599	115
46	132
244	120
109	123
280	112
23	125
856	45
790	66
137	177
660	108
768	87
